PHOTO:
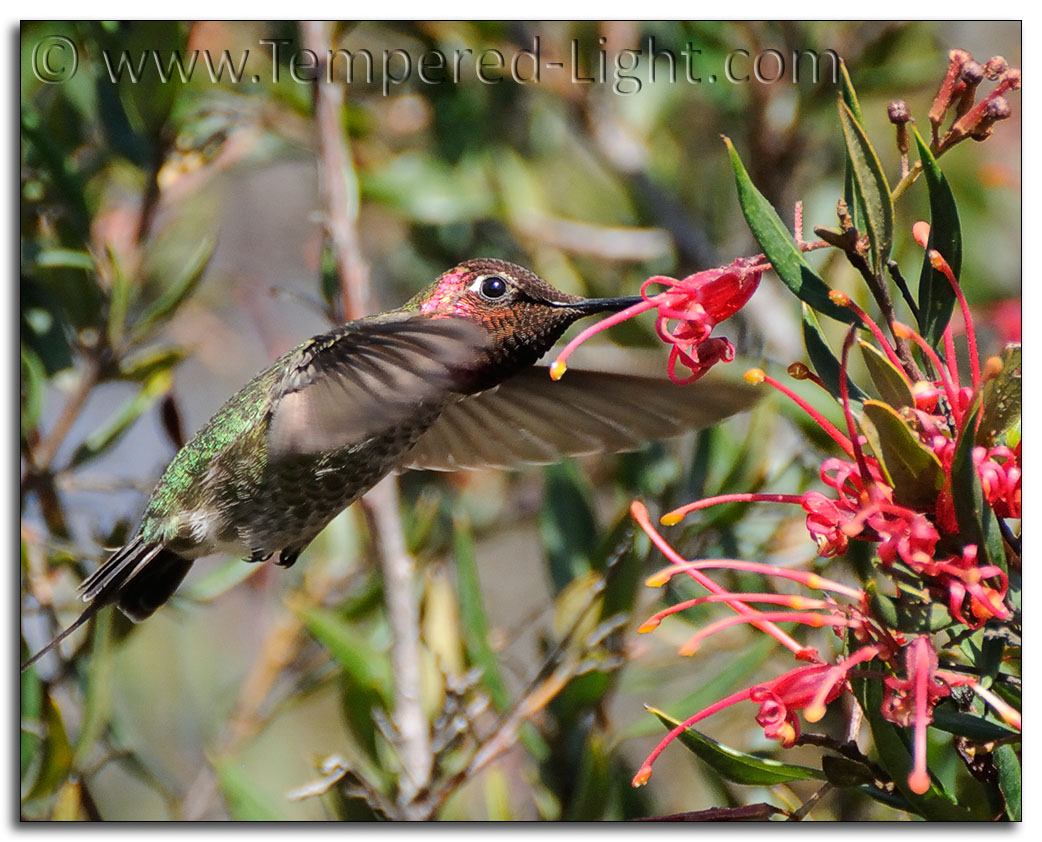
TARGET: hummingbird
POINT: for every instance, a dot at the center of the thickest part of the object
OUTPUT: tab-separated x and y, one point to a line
448	381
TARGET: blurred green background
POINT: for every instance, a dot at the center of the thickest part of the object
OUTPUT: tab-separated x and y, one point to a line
172	245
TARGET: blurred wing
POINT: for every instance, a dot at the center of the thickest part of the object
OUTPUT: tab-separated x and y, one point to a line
368	378
532	419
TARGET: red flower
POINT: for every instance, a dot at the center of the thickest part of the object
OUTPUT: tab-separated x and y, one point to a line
697	304
780	698
688	311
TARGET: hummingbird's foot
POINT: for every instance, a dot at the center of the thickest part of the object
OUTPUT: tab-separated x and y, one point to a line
258	556
288	556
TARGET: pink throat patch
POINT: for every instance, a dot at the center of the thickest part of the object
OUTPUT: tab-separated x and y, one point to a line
448	289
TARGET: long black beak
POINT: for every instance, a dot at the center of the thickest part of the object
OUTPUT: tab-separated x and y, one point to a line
589	306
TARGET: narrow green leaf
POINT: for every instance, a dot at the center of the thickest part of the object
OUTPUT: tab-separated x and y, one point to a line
57	753
976	728
65	258
826	364
183	286
34	379
588	802
567	523
98	701
849	94
120	295
1008	764
889	381
144	365
31	700
1002	400
851	195
473	621
367	666
778	245
914	471
109	433
366	679
245	801
977	522
871	185
736	765
844	772
936	298
218	580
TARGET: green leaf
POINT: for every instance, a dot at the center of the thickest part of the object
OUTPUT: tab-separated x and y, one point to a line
109	433
218	580
890	381
57	753
367	666
367	678
1002	400
826	365
1008	764
120	295
871	186
977	522
851	196
144	365
936	297
736	765
849	95
567	523
913	470
245	801
947	718
31	701
34	379
65	258
781	250
844	772
174	295
473	621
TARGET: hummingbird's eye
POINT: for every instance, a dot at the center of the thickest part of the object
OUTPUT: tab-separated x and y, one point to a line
492	288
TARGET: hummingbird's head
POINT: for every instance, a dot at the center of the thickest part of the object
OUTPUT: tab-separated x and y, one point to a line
522	313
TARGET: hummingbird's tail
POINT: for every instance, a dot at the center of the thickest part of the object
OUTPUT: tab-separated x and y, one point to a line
139	577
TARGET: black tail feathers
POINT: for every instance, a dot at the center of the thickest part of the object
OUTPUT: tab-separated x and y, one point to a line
138	578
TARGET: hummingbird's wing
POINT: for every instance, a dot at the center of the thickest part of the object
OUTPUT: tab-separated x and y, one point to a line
370	377
532	419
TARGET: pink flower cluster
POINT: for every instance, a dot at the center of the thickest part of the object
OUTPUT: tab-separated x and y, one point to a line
860	503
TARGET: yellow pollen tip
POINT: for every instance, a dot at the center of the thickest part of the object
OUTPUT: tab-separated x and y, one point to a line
902	330
657	580
557	369
642	776
688	649
935	259
814	712
839	298
648	626
670	519
754	376
992	368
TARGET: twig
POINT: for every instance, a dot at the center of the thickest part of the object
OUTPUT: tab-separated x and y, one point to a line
337	181
339	186
43	455
381	506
